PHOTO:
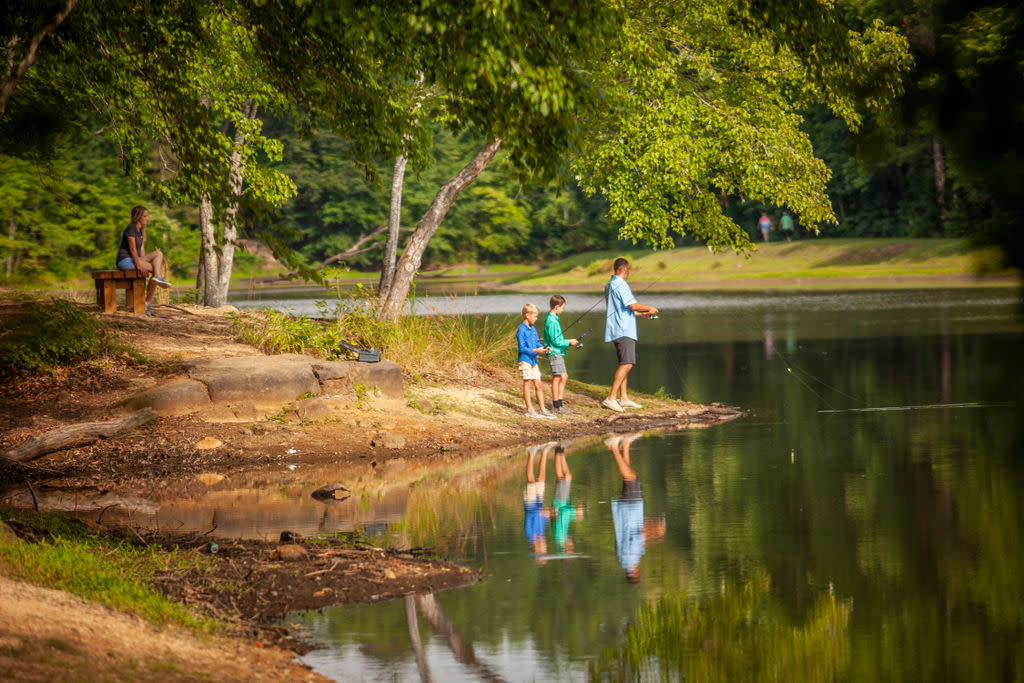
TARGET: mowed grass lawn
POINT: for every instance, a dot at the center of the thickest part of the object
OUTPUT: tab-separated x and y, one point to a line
800	264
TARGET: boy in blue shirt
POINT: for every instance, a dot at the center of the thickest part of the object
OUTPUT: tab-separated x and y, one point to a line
529	347
558	344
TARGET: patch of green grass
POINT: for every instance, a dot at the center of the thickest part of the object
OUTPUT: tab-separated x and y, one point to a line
97	567
806	259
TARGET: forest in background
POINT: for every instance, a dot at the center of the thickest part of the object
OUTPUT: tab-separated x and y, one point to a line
896	176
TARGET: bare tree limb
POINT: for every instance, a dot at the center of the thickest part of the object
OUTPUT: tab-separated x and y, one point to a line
11	78
354	250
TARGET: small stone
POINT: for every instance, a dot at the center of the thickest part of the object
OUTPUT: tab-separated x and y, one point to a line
210	478
209	443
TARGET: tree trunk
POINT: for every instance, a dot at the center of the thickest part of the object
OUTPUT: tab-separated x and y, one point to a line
938	158
12	231
412	255
210	261
414	637
387	270
201	270
218	258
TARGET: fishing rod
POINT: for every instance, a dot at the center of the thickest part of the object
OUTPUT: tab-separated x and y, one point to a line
579	344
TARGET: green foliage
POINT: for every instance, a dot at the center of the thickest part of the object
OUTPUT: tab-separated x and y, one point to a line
705	102
450	345
43	336
64	215
740	634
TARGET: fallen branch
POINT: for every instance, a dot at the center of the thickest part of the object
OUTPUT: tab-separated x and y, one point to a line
324	571
72	436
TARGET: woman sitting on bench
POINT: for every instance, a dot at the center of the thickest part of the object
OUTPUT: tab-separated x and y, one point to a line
132	254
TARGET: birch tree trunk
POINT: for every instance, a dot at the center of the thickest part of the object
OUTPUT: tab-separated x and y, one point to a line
219	255
412	255
387	270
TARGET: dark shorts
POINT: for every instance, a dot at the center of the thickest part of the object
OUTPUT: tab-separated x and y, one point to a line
557	364
625	349
631	490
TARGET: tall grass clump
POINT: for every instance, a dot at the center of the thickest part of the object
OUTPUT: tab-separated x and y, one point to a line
44	335
458	346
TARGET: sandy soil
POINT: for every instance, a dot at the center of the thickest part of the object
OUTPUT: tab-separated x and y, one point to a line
374	443
48	635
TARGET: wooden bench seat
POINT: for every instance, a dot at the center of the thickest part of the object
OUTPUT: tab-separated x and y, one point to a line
109	281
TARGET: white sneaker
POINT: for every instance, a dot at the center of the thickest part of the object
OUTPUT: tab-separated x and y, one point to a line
612	404
533	413
160	281
613	440
626	403
547	413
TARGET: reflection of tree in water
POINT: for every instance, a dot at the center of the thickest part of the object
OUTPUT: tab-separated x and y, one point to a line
739	634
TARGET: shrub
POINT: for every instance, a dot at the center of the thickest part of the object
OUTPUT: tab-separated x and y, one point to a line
44	335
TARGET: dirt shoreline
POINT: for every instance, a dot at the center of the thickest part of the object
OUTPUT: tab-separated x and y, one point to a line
370	444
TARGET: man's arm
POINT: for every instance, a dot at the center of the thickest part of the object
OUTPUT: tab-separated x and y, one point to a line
643	310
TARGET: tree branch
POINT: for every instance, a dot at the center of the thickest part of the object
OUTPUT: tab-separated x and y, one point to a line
30	54
355	249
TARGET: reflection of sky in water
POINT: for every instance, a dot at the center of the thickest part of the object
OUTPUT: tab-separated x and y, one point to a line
301	302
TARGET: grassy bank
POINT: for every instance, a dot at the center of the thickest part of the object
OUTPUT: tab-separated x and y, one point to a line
804	264
67	555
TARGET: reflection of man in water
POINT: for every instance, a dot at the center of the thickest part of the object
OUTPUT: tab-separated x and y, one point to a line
533	502
632	531
563	508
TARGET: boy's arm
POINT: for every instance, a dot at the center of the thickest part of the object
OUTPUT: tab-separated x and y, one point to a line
523	340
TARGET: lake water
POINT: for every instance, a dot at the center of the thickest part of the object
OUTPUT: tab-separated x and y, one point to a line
862	522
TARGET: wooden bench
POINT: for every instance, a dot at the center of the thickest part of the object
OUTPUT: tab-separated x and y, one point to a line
109	281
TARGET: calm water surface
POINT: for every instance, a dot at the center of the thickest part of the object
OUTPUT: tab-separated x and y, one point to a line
862	523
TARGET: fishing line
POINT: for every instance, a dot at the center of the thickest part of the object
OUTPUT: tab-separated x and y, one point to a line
808	387
790	366
929	406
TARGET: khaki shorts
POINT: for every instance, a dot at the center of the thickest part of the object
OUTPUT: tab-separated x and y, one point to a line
529	371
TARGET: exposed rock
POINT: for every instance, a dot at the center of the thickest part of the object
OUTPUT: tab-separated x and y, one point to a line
270	379
208	444
335	491
178	397
341	375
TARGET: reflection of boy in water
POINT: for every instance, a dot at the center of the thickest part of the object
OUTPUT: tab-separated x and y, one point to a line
561	504
632	531
533	503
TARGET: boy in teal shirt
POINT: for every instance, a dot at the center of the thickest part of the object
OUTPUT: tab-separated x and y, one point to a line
558	344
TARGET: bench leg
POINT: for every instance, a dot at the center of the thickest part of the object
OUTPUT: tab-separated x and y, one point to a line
107	294
136	296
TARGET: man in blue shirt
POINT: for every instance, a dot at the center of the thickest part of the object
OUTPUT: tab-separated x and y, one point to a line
620	329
